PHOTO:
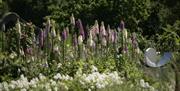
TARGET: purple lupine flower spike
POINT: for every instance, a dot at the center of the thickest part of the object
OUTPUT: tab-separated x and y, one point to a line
64	34
102	29
96	25
75	42
134	42
115	36
80	26
122	25
112	37
41	38
108	30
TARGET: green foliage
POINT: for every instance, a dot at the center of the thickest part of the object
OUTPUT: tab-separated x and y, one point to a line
170	38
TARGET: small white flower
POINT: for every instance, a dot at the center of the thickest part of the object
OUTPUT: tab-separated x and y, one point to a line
42	77
57	76
55	88
66	87
94	69
152	88
59	65
89	89
13	55
92	87
147	85
23	89
144	84
49	89
53	83
12	86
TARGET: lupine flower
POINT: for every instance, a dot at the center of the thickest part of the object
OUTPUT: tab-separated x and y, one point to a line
18	27
104	42
80	26
90	41
108	30
92	31
53	32
64	34
96	25
80	39
47	28
122	25
133	39
125	33
41	38
72	19
114	36
75	41
109	34
102	29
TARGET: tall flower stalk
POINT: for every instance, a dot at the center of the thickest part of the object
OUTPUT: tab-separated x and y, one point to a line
18	26
80	27
64	37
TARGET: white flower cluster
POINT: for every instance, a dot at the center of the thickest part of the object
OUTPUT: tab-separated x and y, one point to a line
58	76
59	82
146	85
38	83
98	80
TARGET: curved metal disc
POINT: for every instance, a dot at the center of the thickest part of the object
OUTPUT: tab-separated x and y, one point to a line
151	58
165	59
